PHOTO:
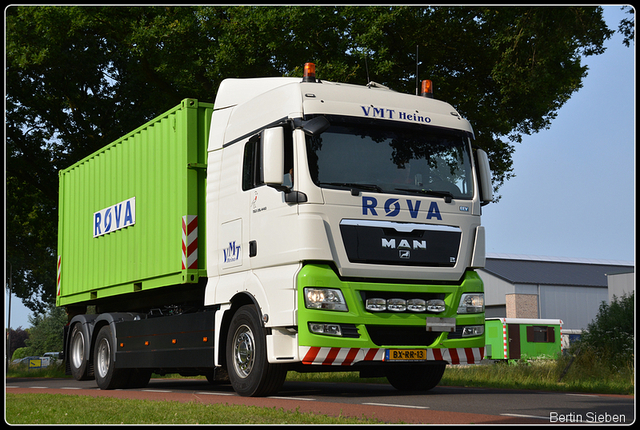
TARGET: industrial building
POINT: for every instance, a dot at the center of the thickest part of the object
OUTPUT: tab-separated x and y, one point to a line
524	286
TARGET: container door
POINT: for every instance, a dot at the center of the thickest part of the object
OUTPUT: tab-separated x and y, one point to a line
513	332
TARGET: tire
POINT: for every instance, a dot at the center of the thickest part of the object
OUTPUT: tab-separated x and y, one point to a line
138	378
249	371
104	354
415	378
78	363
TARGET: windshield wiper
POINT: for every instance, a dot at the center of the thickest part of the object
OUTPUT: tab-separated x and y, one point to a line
446	194
355	188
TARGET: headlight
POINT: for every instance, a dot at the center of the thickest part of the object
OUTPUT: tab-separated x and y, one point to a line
324	298
471	303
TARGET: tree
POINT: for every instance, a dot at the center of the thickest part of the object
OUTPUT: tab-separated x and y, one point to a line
17	338
47	331
78	78
611	333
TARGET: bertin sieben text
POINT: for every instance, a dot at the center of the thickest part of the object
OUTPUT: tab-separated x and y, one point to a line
589	417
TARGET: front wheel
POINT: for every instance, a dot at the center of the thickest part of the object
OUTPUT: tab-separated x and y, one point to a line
104	354
415	378
249	371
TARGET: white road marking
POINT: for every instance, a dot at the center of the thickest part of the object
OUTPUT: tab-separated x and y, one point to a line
216	393
525	416
288	398
397	406
158	391
582	395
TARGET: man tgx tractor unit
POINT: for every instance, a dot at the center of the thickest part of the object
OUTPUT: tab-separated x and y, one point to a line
294	224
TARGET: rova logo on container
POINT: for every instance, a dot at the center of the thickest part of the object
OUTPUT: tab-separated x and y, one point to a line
114	217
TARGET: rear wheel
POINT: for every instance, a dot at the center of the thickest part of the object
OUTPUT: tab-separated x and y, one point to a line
104	354
415	378
249	371
79	364
139	378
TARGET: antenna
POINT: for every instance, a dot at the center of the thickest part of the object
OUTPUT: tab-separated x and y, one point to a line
417	80
366	66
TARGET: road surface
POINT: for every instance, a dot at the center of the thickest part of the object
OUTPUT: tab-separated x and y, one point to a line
441	405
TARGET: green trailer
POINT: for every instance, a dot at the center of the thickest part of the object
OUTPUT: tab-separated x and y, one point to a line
514	338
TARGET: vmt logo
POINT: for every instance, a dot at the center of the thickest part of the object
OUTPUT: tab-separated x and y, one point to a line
392	207
232	253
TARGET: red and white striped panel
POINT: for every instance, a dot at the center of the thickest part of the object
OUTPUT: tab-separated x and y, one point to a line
339	356
348	356
59	272
189	242
504	338
457	355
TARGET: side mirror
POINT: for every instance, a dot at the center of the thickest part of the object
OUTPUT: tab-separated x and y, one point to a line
272	142
484	177
316	126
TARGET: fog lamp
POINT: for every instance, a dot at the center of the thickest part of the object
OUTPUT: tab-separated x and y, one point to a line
328	329
473	330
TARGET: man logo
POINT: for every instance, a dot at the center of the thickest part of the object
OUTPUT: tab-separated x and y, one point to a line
404	254
404	244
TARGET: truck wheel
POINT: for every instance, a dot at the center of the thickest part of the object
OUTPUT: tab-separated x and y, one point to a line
415	378
78	363
249	371
104	354
138	378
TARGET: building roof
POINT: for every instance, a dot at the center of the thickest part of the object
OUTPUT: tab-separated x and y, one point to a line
527	269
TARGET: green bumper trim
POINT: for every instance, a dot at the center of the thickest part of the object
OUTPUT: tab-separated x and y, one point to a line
386	328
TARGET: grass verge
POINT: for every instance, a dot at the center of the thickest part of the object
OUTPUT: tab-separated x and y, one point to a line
55	409
586	375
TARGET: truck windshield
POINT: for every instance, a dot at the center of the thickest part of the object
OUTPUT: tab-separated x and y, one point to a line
391	158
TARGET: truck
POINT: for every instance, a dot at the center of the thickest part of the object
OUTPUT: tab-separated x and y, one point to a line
295	224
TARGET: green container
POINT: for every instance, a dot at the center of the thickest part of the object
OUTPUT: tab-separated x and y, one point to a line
122	210
519	338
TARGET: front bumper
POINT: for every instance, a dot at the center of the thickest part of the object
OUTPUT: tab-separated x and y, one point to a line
368	335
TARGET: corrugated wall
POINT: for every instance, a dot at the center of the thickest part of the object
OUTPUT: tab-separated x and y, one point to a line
152	165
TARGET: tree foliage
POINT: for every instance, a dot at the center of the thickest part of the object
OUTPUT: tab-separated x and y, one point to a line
78	78
17	340
46	331
611	334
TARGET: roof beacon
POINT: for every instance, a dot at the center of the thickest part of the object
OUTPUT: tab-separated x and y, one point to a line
309	72
427	89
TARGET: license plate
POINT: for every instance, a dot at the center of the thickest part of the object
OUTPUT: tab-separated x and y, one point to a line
406	355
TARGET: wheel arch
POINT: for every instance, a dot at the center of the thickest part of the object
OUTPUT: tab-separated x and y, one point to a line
109	319
240	299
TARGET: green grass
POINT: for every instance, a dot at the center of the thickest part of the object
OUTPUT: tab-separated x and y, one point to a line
65	409
587	375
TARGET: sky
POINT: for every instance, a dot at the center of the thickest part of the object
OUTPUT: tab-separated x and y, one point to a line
573	195
574	191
